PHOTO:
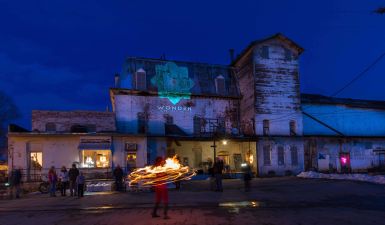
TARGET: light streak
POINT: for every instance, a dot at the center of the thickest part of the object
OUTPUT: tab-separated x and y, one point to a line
171	171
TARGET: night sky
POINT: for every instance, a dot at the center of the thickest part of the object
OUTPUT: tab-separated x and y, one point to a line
62	55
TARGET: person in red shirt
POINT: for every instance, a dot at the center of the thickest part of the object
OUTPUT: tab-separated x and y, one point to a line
161	192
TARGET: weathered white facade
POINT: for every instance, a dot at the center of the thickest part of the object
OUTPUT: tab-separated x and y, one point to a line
250	111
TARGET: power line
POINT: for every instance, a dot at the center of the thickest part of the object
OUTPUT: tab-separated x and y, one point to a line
359	75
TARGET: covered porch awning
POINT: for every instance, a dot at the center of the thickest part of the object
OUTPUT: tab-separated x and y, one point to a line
95	144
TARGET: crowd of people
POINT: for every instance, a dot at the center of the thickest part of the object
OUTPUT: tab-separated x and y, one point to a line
75	181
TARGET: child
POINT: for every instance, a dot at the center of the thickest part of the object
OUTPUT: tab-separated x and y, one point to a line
80	180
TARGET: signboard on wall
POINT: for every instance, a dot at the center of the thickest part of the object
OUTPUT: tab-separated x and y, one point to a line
172	82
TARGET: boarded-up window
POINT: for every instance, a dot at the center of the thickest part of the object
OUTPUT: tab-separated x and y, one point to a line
142	123
288	55
293	128
266	155
168	119
197	125
140	79
265	52
294	155
266	127
281	155
50	127
220	85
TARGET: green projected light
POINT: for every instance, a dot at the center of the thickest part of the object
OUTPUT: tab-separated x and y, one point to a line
172	82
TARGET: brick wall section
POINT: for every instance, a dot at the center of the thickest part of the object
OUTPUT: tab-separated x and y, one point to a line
104	121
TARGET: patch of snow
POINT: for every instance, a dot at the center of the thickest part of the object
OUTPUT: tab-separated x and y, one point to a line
378	179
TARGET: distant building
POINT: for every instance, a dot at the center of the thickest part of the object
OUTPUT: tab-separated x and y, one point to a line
249	111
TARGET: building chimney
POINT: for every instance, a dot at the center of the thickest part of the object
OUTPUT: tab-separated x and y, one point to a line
117	80
231	51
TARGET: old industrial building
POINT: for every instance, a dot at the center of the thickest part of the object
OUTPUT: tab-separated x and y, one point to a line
249	111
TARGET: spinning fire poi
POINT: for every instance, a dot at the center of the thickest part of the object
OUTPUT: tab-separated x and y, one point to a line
171	171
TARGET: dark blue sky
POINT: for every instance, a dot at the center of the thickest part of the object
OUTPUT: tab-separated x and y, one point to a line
62	55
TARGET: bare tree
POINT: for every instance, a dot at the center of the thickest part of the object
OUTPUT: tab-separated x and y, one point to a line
8	112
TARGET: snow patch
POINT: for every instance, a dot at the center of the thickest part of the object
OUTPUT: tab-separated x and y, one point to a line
378	179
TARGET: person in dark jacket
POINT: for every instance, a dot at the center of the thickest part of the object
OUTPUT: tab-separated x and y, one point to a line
80	181
217	170
118	174
16	182
247	175
73	173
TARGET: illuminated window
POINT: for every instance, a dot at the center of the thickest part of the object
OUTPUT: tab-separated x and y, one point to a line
294	155
220	85
36	160
293	128
266	127
140	79
50	127
281	155
96	158
267	155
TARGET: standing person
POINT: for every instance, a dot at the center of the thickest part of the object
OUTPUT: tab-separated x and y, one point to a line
118	174
64	180
218	168
161	192
52	179
80	181
16	182
177	183
246	176
73	173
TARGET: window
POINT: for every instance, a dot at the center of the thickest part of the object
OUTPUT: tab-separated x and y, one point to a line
266	155
36	162
294	155
91	128
293	128
288	55
197	125
96	158
220	85
50	127
266	126
265	52
168	119
281	156
140	79
142	123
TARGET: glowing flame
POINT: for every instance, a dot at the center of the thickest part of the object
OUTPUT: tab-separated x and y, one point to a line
171	171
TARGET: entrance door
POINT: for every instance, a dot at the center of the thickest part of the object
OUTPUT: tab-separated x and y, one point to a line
131	161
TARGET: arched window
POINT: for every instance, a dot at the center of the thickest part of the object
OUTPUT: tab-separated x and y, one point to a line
294	155
281	156
50	127
140	79
220	85
266	127
293	128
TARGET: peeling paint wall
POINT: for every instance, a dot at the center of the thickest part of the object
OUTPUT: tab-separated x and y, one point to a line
127	108
362	151
348	120
103	121
280	169
247	104
277	90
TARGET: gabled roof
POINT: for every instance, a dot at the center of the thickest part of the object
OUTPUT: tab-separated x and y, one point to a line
275	36
355	103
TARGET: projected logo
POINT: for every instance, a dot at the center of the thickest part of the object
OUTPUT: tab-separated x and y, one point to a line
172	82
